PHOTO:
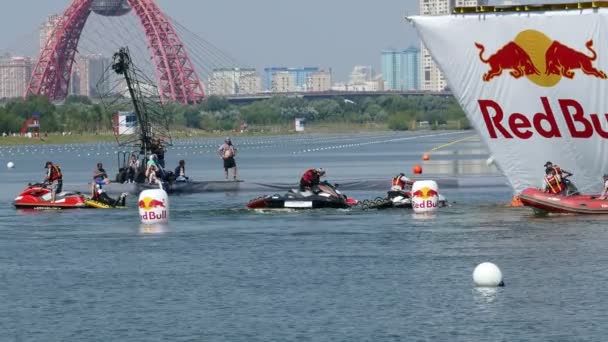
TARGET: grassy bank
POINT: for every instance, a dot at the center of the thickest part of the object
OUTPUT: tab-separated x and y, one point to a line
324	128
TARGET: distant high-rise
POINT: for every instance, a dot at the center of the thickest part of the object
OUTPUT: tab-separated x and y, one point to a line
400	69
46	30
432	78
392	69
283	82
411	67
319	81
300	76
15	73
234	81
89	76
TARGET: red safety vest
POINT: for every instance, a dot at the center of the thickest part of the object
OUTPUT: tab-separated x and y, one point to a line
397	181
554	185
55	173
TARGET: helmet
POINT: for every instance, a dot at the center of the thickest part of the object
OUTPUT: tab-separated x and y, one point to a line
46	166
548	164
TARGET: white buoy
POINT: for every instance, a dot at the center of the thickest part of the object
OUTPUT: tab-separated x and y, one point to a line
10	165
425	196
153	206
487	274
490	161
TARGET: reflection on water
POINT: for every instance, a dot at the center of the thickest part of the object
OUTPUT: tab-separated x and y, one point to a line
153	229
485	295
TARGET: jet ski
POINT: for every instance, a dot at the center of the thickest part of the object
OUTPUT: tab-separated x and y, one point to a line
38	196
403	199
324	195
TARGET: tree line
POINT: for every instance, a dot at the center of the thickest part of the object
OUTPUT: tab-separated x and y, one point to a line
80	115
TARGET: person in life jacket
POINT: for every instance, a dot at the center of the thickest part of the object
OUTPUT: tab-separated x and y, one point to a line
401	183
310	179
54	178
553	183
99	177
561	173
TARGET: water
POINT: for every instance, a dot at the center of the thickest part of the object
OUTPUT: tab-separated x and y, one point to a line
219	272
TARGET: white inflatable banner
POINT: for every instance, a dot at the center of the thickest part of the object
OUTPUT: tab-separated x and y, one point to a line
534	86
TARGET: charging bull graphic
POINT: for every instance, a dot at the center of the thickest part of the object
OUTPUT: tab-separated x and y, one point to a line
542	60
510	57
561	60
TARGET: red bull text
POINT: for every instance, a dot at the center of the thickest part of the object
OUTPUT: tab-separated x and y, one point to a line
544	66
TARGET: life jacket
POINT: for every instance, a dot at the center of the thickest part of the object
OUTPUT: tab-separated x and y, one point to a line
555	186
55	173
397	181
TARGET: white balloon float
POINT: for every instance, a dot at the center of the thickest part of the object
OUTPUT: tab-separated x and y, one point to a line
153	206
10	165
425	196
487	274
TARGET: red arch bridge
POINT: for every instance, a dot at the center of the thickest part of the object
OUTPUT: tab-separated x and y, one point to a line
176	77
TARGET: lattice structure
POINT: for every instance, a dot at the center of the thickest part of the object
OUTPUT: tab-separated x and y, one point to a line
176	77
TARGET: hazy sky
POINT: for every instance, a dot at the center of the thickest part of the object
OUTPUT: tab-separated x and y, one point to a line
325	33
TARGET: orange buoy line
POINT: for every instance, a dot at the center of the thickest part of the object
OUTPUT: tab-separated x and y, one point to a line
426	156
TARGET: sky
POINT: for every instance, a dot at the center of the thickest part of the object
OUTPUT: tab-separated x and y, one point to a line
337	34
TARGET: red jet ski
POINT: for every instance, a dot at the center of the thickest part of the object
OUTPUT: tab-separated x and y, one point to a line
38	196
544	202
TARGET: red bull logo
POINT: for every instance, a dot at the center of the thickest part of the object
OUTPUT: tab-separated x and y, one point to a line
425	193
149	203
150	206
541	60
544	62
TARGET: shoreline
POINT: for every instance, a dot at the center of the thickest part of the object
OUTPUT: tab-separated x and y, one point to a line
107	137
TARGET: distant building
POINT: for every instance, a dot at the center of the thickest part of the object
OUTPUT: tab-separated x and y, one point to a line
374	85
89	76
15	74
300	76
361	74
411	68
432	79
319	81
283	82
470	3
46	30
400	69
234	81
392	69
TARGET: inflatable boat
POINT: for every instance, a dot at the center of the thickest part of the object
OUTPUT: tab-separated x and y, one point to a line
544	202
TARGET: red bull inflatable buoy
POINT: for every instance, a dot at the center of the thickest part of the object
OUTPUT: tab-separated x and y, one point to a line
153	206
425	196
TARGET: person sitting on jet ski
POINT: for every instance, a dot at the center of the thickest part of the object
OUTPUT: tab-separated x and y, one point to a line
310	179
180	172
553	183
101	196
99	177
401	183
